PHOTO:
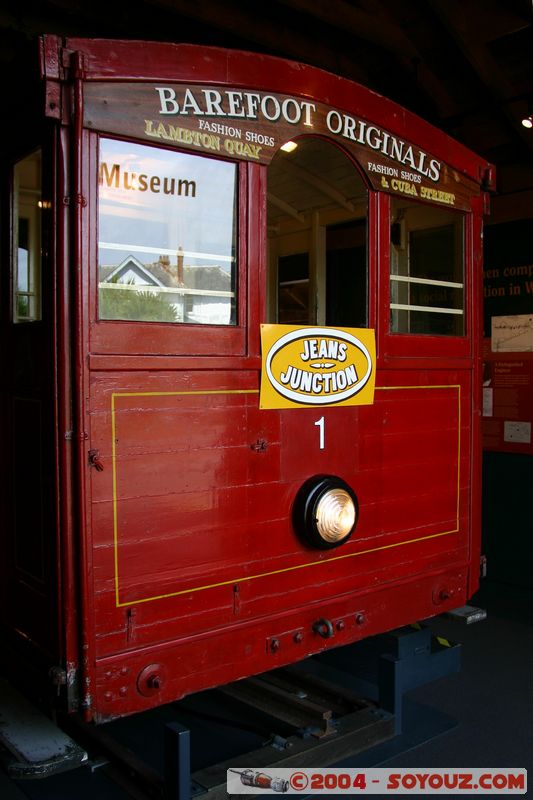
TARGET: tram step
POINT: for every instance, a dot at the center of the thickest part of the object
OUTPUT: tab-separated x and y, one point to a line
33	746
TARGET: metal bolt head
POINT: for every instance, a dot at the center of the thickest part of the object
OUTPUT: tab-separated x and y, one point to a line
151	679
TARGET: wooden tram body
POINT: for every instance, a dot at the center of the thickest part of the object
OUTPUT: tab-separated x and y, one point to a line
152	548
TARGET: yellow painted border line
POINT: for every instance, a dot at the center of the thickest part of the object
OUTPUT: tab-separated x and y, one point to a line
286	569
115	499
234	581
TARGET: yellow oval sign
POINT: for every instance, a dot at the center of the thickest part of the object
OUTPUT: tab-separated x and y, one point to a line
316	366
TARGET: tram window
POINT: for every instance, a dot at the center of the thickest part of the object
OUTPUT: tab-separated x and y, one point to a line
427	270
317	209
27	206
166	236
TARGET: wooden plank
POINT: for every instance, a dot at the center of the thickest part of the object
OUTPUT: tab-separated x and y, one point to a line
356	732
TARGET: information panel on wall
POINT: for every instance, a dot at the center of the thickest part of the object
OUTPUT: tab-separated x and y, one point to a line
508	385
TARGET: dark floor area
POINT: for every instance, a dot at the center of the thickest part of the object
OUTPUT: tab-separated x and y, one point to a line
481	717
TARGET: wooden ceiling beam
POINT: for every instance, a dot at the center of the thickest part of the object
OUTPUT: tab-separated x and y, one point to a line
319	183
285	207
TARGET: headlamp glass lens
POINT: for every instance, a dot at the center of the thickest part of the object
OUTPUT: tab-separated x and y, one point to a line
335	515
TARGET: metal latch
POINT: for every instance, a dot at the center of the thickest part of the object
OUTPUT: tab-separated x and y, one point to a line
95	460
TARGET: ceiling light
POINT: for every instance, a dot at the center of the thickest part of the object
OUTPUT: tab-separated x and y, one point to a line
288	147
527	116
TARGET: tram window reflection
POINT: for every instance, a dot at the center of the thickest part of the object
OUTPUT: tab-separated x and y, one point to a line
166	236
317	237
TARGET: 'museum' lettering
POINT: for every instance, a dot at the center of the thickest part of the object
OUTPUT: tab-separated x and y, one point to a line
115	178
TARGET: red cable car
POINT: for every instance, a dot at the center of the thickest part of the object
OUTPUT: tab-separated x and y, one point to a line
240	374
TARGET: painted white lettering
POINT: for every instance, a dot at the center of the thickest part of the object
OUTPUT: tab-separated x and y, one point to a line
190	102
260	138
307	108
341	353
270	100
317	383
296	111
252	104
373	139
350	125
421	159
286	376
409	157
334	121
396	150
434	170
213	100
235	104
167	100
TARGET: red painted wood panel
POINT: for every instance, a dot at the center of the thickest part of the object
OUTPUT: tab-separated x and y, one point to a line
196	508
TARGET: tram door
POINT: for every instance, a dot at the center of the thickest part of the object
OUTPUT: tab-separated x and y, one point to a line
28	559
317	229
